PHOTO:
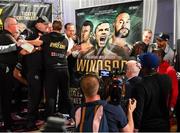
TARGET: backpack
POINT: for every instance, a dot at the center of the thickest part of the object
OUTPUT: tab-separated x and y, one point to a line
91	119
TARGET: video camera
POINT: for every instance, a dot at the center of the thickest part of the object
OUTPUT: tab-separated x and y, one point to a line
113	73
114	85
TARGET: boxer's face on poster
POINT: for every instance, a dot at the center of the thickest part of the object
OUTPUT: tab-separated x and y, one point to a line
122	25
102	34
85	33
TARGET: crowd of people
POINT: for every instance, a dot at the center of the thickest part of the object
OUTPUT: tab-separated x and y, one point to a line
43	59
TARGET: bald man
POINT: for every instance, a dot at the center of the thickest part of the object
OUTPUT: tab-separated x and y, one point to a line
132	71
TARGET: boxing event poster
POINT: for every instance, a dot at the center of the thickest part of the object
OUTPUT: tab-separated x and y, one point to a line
107	47
106	35
24	12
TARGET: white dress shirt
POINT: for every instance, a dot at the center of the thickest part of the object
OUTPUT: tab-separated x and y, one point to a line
70	43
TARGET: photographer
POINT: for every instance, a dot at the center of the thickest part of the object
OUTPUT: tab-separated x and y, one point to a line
114	115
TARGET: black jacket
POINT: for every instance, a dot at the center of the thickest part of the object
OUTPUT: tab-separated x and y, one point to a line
151	113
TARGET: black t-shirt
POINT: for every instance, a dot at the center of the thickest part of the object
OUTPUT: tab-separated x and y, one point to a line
33	60
54	50
9	58
151	113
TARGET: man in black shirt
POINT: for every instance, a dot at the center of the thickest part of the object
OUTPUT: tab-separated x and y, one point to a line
56	70
34	69
8	58
151	113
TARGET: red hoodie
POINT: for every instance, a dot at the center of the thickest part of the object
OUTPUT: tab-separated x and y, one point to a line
165	68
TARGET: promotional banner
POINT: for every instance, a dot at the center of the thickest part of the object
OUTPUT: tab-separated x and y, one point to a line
106	35
24	12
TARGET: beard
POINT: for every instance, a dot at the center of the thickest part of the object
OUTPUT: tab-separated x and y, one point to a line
120	34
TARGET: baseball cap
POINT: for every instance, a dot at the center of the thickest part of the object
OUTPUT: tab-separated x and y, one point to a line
149	60
163	36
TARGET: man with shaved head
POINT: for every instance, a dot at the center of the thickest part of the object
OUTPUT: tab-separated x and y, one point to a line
132	70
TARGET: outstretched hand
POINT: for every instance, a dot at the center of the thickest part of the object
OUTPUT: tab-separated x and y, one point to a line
20	42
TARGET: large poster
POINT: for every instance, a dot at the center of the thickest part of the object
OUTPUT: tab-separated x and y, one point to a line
24	12
106	35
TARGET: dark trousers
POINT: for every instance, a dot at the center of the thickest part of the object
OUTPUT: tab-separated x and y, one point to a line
6	85
71	67
57	79
35	93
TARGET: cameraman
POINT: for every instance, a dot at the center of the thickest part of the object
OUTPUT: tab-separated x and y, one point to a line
116	118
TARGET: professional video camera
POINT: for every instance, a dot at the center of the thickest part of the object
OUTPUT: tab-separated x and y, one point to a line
114	86
113	73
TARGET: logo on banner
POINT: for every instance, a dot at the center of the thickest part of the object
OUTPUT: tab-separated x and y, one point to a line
84	65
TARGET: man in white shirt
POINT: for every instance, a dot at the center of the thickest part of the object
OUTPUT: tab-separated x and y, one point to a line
70	31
